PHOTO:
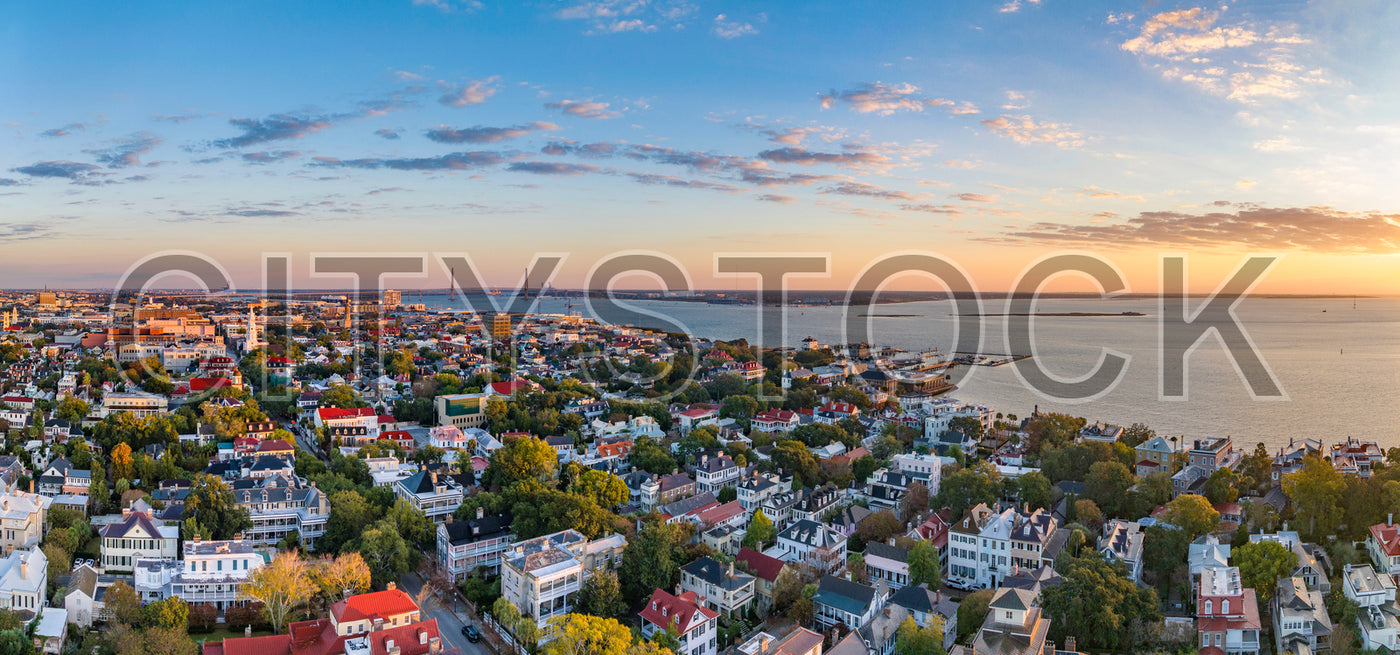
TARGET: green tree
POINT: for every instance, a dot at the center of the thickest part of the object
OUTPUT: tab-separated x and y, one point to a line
171	612
1096	603
123	604
522	458
1107	484
739	407
212	504
652	457
606	489
1261	564
1316	491
1135	434
601	595
914	640
972	611
1220	486
966	488
1034	489
1193	514
350	514
653	559
761	530
923	565
384	551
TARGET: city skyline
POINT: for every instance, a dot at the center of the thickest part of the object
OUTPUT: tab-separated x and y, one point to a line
993	133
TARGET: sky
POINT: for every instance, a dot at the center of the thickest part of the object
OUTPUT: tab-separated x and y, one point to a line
992	133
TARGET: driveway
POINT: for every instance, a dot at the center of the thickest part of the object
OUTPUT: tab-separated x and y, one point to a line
449	622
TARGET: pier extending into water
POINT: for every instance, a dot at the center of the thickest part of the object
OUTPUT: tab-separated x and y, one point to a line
986	359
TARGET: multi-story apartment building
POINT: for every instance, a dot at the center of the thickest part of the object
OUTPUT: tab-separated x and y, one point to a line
212	572
813	545
926	469
1156	455
1300	618
22	519
281	504
461	410
139	403
756	488
437	496
715	473
24	580
137	536
693	623
816	503
466	546
661	490
987	545
1374	595
778	507
964	549
1227	614
719	587
1123	541
542	576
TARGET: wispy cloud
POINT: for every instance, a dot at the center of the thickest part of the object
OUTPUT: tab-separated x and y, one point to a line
388	133
1318	229
467	94
126	152
974	197
177	118
1104	194
268	157
64	131
584	109
451	6
481	134
804	157
682	183
457	161
617	16
77	172
726	28
868	191
551	168
885	99
1241	61
1025	130
1013	6
777	198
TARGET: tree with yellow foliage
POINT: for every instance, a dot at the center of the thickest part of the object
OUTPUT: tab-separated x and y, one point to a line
341	576
282	585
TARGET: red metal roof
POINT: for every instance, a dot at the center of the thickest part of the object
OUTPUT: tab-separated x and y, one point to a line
265	645
1386	538
378	604
682	612
334	413
762	565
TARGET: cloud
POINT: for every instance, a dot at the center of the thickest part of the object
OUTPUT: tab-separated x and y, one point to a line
1024	130
1101	194
1119	17
1280	144
551	168
766	177
1015	100
480	134
269	157
457	161
934	209
1240	61
64	131
672	181
804	157
387	133
868	191
468	94
1013	6
1317	229
77	172
35	231
730	29
450	6
278	127
5	181
375	192
885	99
179	118
960	163
777	198
261	213
126	152
974	197
617	16
584	109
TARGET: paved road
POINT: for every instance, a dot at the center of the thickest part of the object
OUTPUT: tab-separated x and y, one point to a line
449	622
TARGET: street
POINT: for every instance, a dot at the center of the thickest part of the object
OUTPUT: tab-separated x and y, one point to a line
449	622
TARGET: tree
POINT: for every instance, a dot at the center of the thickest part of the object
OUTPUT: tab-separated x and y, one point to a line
652	457
123	467
123	604
171	612
1261	564
606	489
1316	491
1220	486
161	641
1087	512
1165	550
966	488
793	456
1034	489
212	504
281	585
923	565
413	524
601	595
972	612
581	634
914	502
350	514
879	526
384	551
341	576
653	559
73	410
1096	603
740	407
1135	434
1193	514
1108	483
522	458
761	530
914	640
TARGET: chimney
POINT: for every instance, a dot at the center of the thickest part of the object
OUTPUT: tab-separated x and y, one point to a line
1071	645
197	537
392	586
248	632
763	644
480	513
1390	519
731	570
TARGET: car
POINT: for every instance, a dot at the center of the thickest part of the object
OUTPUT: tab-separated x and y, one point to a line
471	633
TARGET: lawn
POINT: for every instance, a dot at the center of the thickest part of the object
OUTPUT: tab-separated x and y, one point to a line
224	633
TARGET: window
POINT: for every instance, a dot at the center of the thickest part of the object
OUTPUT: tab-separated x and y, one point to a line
1210	605
1225	606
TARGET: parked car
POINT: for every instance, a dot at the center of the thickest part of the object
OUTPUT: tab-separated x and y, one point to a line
471	633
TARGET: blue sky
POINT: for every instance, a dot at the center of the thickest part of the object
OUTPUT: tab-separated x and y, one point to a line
993	132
